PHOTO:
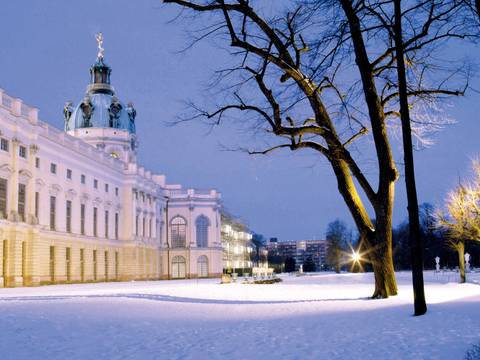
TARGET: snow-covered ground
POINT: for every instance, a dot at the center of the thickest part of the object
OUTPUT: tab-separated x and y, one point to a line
321	316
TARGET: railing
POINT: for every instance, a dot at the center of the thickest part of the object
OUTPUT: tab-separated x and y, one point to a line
194	193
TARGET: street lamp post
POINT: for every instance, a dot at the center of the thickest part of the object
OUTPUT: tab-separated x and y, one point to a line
166	236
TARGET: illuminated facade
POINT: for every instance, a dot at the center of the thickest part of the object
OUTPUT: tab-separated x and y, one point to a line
301	251
75	206
237	245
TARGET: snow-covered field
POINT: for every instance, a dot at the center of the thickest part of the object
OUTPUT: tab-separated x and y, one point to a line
321	316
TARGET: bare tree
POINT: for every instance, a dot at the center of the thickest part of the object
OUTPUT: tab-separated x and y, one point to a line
461	217
338	238
415	236
291	75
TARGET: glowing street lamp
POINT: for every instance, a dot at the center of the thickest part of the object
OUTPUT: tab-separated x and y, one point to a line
356	257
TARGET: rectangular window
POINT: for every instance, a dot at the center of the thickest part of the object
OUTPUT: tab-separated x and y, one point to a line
116	191
116	265
52	263
68	213
106	265
95	183
94	264
143	227
69	174
37	162
82	179
3	198
4	144
150	228
82	265
53	211
22	151
21	201
106	224
53	168
37	203
5	261
82	219
68	264
136	225
106	188
95	210
116	226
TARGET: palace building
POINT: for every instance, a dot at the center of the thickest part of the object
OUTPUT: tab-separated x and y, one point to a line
75	206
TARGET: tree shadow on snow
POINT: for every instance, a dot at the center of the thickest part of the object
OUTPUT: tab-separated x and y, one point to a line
176	299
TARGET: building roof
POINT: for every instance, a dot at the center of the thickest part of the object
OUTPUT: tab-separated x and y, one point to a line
100	108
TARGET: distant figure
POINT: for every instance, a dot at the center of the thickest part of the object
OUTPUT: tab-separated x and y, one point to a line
467	262
437	264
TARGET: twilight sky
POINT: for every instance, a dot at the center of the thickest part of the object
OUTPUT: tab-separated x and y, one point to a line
46	50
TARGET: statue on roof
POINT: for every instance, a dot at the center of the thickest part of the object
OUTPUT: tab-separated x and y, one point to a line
87	110
67	112
132	113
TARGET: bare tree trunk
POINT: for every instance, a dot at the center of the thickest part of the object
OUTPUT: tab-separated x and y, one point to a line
382	256
378	238
416	243
337	267
461	260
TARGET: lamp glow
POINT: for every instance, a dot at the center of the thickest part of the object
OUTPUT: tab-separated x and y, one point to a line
356	256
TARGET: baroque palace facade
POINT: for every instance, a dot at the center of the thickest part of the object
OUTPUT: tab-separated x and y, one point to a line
75	206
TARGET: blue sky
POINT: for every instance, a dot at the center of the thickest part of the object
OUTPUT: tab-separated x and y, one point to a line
47	48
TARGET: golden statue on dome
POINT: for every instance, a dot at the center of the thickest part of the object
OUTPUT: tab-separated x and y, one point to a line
99	38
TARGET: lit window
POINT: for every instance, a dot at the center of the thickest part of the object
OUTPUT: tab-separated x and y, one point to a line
4	144
114	155
22	151
69	174
53	168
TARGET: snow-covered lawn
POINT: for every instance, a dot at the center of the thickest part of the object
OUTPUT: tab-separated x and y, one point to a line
321	316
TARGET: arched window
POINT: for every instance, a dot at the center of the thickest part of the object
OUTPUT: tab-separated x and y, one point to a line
178	267
202	266
202	224
178	231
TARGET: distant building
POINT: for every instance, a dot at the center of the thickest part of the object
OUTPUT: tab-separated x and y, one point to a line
301	251
236	244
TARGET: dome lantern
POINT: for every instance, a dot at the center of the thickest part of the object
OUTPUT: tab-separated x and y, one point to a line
100	107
